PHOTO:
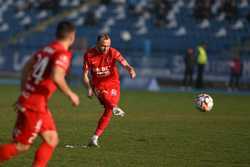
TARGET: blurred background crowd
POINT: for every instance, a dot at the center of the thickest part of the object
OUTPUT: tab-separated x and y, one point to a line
172	43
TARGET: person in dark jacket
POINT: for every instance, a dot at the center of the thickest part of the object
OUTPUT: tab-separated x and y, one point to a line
189	61
236	68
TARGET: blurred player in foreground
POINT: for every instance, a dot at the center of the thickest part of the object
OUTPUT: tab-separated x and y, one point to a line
101	77
41	75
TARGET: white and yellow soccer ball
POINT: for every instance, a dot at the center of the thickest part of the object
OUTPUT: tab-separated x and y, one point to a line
204	102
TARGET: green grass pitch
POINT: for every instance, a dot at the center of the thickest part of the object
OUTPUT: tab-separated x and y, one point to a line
159	130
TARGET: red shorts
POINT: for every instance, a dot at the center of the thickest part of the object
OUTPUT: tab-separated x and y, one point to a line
109	95
30	123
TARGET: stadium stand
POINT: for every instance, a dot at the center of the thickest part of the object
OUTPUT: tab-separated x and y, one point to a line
159	31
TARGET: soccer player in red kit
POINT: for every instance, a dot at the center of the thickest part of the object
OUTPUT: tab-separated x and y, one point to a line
41	75
101	77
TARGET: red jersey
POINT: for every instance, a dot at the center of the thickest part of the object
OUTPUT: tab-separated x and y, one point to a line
102	66
39	85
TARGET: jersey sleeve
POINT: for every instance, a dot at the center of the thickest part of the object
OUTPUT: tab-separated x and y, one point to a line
62	60
118	57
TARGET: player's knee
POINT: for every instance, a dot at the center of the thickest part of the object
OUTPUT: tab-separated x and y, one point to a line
53	140
22	147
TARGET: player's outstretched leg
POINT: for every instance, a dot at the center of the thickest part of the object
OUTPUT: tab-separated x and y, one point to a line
8	151
102	125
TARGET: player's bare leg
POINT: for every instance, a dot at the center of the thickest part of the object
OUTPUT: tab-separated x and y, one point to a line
46	149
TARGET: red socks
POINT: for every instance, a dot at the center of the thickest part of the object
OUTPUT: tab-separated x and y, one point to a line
7	151
104	121
43	155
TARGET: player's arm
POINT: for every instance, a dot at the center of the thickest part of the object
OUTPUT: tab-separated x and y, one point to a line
125	64
86	82
59	70
27	69
85	76
129	68
58	76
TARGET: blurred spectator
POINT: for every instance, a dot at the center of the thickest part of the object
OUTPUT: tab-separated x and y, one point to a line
91	19
119	2
236	68
243	3
161	9
248	17
229	7
23	6
189	61
105	2
202	9
49	5
201	62
132	5
139	8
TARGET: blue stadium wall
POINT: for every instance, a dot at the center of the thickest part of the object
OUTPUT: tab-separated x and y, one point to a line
168	67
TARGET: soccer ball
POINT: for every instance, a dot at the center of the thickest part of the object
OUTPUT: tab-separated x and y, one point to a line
204	102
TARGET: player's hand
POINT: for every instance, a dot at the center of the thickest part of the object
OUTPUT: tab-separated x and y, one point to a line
90	93
132	73
74	99
18	107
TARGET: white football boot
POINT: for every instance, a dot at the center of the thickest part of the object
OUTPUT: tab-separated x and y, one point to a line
118	112
94	141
